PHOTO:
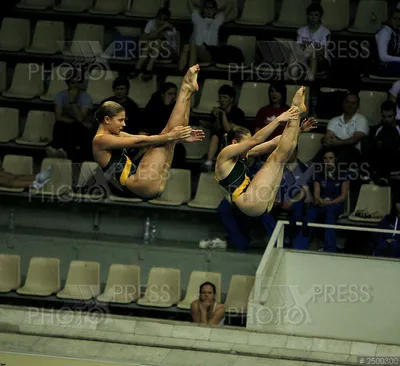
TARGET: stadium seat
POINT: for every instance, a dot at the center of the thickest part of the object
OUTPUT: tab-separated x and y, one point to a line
198	150
43	278
115	48
196	279
177	190
383	78
163	288
107	7
145	8
209	194
308	145
56	84
123	284
253	96
9	124
74	6
15	34
370	105
347	207
336	14
369	17
291	91
88	41
36	4
141	91
247	44
292	14
3	76
87	185
100	85
238	294
47	37
83	281
374	202
61	179
115	198
179	9
209	95
10	272
38	129
257	12
19	165
27	82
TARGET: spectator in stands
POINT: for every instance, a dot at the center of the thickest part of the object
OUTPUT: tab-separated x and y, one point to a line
223	118
331	188
313	40
37	181
394	96
158	41
388	46
133	114
384	145
156	115
344	133
292	196
73	126
206	310
207	23
388	245
277	105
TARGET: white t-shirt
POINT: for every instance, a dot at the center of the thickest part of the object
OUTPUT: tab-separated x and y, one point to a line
395	90
206	29
343	130
318	38
382	40
170	33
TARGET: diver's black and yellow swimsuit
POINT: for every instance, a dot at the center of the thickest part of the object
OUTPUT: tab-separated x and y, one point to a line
119	169
237	180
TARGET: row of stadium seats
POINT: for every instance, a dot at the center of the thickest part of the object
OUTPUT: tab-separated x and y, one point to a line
370	14
373	202
28	83
123	284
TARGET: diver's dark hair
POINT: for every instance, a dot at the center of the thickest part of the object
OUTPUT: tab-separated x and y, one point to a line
236	133
107	109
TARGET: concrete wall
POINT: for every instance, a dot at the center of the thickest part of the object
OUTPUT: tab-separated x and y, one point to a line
332	296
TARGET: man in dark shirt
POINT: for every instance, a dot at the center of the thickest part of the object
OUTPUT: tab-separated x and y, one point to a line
121	87
223	118
384	149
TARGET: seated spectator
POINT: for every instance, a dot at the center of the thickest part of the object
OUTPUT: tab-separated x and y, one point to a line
313	40
387	40
331	187
37	181
73	131
394	96
156	115
384	145
223	118
293	193
277	105
158	41
206	310
133	114
344	133
207	23
388	245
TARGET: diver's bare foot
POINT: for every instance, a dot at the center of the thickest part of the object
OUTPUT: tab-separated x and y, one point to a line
190	79
299	99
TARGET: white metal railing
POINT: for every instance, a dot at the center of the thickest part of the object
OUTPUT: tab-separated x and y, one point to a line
278	238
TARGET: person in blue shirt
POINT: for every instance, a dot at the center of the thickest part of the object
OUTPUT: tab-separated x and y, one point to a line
388	245
331	188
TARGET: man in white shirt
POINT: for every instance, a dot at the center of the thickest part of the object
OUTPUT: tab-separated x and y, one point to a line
159	40
345	132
